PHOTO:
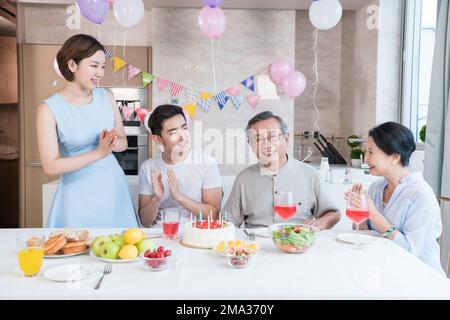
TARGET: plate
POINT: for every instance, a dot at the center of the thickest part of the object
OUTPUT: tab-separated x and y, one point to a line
70	272
92	254
362	238
56	256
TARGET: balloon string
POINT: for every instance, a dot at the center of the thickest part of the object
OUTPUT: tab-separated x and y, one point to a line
214	66
316	74
124	56
114	50
99	33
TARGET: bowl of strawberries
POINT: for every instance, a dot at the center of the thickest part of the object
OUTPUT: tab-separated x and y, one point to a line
158	259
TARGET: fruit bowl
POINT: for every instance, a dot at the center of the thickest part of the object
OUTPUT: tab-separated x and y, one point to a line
156	260
223	246
293	237
240	258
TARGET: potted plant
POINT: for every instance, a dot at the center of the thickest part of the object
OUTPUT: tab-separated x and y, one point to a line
355	151
423	133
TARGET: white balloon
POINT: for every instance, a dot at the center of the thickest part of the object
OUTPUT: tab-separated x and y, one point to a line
129	12
325	14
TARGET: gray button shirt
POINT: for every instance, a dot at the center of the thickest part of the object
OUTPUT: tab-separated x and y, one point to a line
252	197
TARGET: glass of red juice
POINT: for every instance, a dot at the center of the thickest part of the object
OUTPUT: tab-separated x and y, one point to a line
171	221
357	211
284	205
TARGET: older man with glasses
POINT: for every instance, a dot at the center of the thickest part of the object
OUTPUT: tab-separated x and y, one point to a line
255	189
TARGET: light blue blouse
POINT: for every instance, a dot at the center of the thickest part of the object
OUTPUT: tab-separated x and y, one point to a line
414	211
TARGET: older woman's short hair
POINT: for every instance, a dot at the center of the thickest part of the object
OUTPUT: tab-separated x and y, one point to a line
394	138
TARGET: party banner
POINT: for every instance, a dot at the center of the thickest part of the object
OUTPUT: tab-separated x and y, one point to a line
108	53
133	72
221	99
234	90
161	83
192	95
236	101
147	78
249	83
190	108
205	104
175	89
118	63
206	95
253	101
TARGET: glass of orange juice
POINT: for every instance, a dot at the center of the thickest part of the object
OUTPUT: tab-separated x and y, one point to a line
30	252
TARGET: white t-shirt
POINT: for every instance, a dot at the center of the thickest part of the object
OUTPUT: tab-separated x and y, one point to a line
197	172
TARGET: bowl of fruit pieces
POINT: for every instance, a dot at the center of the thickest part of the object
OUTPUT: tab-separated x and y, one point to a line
158	259
239	257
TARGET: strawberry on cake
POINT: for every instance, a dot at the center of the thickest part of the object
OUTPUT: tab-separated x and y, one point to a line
205	234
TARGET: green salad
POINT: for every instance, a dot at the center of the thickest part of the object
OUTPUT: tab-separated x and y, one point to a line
295	236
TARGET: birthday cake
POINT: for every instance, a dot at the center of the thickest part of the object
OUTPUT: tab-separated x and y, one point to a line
206	234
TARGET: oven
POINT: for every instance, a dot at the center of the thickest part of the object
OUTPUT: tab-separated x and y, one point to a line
129	100
137	152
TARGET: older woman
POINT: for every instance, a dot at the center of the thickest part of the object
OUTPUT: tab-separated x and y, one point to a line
402	206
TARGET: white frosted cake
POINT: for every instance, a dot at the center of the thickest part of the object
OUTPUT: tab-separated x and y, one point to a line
205	236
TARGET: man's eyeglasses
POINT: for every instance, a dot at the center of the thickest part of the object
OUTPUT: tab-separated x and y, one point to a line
257	139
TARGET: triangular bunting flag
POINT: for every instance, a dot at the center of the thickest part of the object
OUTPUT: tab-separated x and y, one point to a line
190	108
108	53
253	101
147	78
206	95
175	89
236	101
118	63
141	112
249	83
161	83
133	72
192	95
221	99
234	90
204	104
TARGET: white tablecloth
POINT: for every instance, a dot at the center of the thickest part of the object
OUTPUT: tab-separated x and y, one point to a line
330	269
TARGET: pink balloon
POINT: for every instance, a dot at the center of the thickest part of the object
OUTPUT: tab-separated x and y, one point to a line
294	84
56	68
279	69
211	21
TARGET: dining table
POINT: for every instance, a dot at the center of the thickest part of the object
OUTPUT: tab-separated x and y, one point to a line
329	269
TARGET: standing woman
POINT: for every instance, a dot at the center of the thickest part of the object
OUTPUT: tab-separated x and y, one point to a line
402	206
77	129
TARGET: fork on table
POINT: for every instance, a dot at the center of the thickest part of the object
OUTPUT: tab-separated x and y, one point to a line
251	236
107	270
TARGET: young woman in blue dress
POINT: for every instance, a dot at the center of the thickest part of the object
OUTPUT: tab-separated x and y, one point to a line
78	128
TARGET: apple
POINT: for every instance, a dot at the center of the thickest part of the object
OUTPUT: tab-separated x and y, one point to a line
117	238
110	250
144	245
98	244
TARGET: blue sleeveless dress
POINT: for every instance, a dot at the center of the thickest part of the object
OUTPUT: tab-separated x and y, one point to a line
95	196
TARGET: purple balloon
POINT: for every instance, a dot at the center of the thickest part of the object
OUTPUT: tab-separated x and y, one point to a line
212	21
212	3
94	10
294	84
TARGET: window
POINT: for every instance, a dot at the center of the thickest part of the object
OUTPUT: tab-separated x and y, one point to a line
419	37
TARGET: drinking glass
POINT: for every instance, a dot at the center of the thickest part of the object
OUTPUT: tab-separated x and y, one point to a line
171	221
284	205
30	254
358	211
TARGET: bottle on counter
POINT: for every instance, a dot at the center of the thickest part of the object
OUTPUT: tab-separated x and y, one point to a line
324	168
